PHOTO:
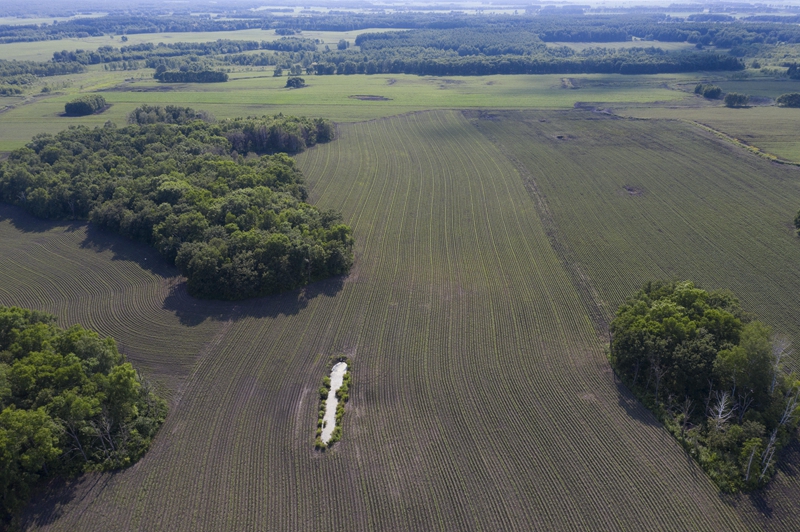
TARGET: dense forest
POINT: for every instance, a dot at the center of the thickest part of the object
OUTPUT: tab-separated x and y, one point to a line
70	403
712	374
236	224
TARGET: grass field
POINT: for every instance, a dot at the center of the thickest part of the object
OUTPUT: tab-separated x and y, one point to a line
772	129
258	93
482	397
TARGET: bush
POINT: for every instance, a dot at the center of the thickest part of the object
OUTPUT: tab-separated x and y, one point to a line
791	99
733	99
85	105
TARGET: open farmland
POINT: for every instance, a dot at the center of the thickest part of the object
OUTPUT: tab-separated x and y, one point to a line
771	129
629	200
257	92
481	397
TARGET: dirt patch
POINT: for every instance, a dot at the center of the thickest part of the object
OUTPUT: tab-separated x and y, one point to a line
369	97
126	87
633	191
391	81
570	83
490	82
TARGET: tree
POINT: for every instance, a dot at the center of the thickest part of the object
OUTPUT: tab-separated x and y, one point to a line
733	99
797	222
278	72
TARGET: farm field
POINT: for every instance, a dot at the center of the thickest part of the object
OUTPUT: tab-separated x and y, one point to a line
772	129
630	201
481	397
259	93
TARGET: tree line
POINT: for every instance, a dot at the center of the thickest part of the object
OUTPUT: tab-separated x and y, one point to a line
715	376
69	403
235	226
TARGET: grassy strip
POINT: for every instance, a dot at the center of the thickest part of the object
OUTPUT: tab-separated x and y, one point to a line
341	394
740	143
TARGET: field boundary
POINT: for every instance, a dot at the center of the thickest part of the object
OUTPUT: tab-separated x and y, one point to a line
597	309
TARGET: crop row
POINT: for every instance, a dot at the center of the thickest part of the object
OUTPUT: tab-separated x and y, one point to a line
484	400
633	201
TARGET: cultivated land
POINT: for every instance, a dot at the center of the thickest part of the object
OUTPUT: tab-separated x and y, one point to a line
492	246
482	400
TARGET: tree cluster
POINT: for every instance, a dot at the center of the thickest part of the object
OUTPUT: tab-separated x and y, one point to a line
712	92
712	374
69	403
294	82
85	105
236	227
791	99
734	99
9	69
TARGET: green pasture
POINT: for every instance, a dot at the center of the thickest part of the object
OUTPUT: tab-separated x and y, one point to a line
257	92
772	129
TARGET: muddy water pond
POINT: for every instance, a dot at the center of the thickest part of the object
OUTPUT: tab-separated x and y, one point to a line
329	421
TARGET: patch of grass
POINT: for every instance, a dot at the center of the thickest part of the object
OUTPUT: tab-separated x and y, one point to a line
256	92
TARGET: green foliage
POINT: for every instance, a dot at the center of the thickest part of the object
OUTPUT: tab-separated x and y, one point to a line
793	71
733	99
85	105
791	99
235	227
295	83
797	222
68	403
342	394
712	92
711	374
171	114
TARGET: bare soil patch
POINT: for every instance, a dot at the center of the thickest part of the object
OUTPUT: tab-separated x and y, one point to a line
369	97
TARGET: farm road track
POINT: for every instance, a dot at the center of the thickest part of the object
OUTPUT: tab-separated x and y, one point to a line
481	396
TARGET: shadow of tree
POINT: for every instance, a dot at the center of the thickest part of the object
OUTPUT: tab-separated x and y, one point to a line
51	498
632	406
190	311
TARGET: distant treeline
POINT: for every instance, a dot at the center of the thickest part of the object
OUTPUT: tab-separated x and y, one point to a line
38	69
552	25
236	227
615	62
150	51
